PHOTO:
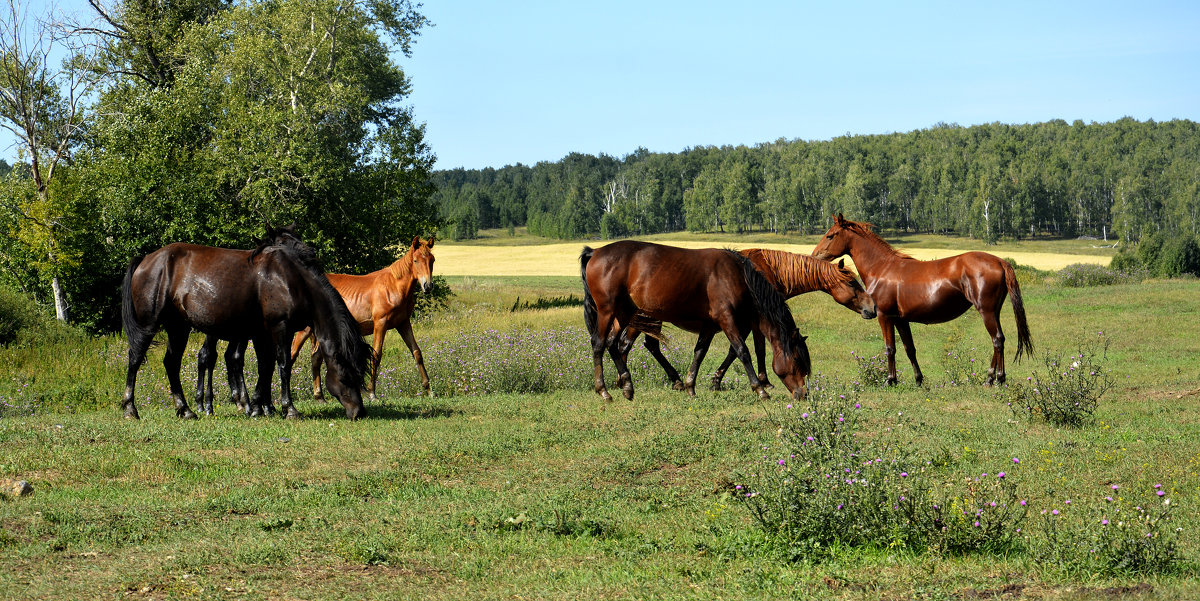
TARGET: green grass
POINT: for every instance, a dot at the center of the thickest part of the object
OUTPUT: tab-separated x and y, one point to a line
555	495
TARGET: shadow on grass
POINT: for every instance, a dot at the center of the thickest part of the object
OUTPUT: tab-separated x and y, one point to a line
384	410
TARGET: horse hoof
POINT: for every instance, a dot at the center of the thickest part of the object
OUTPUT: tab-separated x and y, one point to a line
292	414
677	385
762	394
187	414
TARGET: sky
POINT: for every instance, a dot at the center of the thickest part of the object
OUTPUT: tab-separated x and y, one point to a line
500	83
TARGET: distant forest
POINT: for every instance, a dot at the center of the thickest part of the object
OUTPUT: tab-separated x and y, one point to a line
1123	179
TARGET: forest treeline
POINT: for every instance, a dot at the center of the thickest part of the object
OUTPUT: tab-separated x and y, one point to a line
1120	180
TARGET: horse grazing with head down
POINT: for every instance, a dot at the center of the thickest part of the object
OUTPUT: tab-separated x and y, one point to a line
791	275
704	291
380	301
909	290
264	295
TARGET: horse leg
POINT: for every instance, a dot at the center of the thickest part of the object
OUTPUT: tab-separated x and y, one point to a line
235	361
720	373
624	378
138	344
702	343
283	361
760	351
406	332
991	321
600	342
910	349
652	344
177	338
737	344
264	349
621	346
889	347
205	364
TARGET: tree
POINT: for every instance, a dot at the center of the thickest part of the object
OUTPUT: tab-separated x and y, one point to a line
42	105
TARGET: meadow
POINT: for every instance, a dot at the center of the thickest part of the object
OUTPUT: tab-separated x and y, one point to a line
515	481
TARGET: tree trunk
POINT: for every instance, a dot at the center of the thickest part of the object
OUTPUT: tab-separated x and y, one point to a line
60	299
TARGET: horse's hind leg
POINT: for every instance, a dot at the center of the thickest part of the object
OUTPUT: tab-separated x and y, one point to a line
264	349
177	337
737	345
624	378
991	321
205	364
235	361
138	344
910	349
719	375
283	361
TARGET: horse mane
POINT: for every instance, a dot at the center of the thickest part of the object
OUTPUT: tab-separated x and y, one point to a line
401	268
343	340
788	269
866	230
773	306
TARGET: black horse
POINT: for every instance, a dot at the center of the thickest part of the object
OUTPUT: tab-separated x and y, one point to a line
265	295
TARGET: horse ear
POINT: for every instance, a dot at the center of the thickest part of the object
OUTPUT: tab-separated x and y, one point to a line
431	241
416	242
840	220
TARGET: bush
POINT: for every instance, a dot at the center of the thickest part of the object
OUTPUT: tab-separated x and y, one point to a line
435	300
1180	256
23	322
1067	392
1082	275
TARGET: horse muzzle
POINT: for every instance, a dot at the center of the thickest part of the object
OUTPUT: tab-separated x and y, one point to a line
868	313
427	286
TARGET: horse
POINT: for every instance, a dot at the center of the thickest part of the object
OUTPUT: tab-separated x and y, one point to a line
791	275
908	290
381	300
704	291
264	295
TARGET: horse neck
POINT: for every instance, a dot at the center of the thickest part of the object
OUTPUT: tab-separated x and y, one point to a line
798	274
402	272
871	254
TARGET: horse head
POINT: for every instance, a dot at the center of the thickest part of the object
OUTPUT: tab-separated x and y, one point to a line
421	255
836	242
849	293
794	366
349	396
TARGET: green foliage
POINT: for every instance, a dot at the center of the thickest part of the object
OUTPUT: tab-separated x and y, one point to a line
989	181
1085	275
435	300
24	323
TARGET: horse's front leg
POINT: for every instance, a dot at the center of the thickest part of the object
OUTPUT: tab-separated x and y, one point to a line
737	345
702	343
235	361
760	352
406	332
910	349
889	347
655	348
719	375
264	348
206	361
283	362
177	338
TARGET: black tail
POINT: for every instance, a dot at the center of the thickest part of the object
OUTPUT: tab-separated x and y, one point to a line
590	316
1024	343
134	329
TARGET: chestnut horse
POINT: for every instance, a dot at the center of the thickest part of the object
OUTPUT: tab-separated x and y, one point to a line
382	300
908	290
264	295
704	291
792	275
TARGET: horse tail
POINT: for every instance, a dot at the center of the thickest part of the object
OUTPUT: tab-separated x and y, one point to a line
773	306
590	314
134	328
1024	343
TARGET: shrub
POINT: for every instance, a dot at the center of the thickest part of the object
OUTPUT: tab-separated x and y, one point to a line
872	371
1081	275
1180	256
1113	536
1067	392
23	322
435	300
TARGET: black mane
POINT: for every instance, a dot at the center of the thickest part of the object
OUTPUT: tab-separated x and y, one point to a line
773	306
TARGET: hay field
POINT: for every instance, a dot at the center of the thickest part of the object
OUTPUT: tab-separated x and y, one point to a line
562	259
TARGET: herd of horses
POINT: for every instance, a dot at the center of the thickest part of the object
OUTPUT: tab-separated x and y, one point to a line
276	296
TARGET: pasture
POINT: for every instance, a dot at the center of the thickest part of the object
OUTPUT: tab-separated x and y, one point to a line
515	481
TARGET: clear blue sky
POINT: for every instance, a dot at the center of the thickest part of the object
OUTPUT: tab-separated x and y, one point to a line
498	83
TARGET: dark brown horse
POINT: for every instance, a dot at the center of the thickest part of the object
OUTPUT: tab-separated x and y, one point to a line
380	301
206	363
908	290
265	295
704	291
792	275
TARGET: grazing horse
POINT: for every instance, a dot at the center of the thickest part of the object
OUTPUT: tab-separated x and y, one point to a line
792	275
264	295
908	290
704	291
382	300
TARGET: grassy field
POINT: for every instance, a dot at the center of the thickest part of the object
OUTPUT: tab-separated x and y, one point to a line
515	481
